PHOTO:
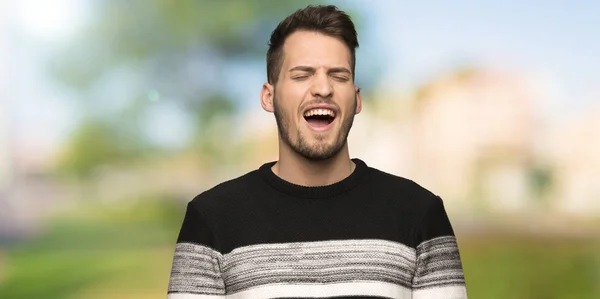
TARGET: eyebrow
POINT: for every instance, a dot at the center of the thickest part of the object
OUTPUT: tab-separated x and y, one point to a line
312	69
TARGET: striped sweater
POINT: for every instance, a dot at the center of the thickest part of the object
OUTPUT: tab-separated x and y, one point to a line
371	235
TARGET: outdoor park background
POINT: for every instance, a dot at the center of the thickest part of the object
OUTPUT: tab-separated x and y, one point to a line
114	114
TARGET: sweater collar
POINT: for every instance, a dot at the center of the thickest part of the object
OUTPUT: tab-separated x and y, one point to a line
316	192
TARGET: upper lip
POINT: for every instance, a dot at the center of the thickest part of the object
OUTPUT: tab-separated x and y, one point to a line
322	106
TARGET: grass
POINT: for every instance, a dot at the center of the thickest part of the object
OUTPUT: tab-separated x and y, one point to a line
504	266
118	258
106	254
75	260
87	274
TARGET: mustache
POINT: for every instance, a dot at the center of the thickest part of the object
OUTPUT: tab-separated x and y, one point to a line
318	101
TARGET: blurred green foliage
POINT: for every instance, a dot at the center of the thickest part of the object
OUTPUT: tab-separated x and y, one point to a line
139	56
96	143
162	37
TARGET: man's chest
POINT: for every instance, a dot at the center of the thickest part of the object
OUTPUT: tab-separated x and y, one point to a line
298	222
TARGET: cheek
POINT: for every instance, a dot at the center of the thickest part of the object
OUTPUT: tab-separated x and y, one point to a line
289	102
350	102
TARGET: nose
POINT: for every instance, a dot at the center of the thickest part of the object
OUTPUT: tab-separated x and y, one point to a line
321	86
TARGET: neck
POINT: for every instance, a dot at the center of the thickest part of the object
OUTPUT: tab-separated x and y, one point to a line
298	170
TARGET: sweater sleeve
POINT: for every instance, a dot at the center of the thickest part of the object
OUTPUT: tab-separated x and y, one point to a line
196	273
439	273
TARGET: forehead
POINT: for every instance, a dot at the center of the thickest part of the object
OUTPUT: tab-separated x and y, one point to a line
311	48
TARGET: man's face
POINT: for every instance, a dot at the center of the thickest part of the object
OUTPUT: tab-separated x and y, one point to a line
315	100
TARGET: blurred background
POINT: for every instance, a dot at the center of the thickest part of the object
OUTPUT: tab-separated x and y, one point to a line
114	114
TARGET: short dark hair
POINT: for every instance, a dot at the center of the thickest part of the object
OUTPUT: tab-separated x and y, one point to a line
325	19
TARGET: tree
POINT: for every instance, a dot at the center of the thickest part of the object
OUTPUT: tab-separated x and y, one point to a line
135	52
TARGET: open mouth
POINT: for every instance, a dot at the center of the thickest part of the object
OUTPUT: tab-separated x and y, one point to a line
319	118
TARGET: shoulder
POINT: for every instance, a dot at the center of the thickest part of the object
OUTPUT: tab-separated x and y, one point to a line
427	214
226	193
421	210
415	200
403	188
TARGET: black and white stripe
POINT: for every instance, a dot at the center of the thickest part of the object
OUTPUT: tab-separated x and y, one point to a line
196	270
322	262
438	264
377	268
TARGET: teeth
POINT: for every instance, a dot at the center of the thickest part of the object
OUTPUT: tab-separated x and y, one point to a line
319	112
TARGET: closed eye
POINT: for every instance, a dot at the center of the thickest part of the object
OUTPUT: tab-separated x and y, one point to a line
340	78
304	77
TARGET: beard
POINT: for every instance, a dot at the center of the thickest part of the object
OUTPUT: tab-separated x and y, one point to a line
319	149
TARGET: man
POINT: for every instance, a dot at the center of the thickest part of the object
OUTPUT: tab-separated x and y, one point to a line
315	223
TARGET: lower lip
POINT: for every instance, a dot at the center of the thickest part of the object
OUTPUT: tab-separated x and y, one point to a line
320	129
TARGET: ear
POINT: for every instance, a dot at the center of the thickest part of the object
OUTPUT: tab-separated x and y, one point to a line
358	100
266	97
